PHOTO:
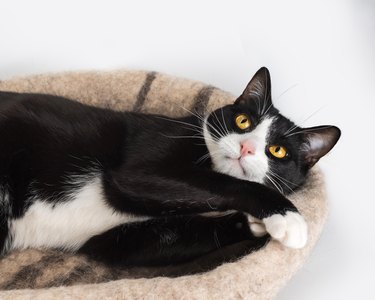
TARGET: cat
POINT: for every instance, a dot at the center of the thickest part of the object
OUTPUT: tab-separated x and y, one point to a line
140	189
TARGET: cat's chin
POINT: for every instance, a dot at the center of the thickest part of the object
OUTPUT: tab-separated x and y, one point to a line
238	168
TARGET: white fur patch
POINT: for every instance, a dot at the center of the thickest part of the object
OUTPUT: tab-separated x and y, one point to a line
69	224
257	226
289	229
226	152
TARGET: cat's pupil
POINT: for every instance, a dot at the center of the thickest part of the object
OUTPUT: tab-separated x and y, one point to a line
243	121
277	149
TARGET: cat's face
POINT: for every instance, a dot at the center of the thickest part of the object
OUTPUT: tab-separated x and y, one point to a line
251	140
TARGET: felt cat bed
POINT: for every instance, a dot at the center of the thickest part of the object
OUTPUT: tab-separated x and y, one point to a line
55	275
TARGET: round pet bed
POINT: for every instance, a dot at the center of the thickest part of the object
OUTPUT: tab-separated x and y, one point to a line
54	275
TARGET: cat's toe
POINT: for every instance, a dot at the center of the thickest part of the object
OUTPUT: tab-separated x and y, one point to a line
276	226
258	229
296	235
290	229
257	226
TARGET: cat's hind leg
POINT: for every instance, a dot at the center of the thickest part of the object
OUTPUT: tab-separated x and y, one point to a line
175	240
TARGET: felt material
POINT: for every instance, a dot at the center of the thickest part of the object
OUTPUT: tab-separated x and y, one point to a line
259	275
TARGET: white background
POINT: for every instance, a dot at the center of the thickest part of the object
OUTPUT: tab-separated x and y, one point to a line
322	51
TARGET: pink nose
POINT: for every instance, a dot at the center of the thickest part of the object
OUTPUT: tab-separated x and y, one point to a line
247	148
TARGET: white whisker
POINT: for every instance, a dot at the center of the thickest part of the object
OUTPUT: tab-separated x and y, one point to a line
287	90
277	178
273	182
180	122
305	130
225	123
219	127
286	134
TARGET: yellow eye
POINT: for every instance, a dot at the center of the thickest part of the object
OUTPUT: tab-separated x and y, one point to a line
278	151
243	122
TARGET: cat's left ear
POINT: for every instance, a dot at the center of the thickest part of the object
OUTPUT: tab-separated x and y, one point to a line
319	141
258	89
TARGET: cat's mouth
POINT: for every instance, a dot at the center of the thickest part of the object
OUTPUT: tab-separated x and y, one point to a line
244	169
237	162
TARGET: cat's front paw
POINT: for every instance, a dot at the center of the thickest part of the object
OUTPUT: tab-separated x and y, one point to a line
289	229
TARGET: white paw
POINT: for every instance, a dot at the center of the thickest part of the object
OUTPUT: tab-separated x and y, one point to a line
289	229
257	227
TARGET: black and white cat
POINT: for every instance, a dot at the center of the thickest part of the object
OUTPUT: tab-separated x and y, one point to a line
135	188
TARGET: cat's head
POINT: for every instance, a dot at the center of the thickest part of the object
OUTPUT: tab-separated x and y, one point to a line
251	140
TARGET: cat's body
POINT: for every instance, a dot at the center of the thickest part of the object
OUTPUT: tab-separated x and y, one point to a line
130	188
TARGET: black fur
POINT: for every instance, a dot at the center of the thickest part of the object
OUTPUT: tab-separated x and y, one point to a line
145	170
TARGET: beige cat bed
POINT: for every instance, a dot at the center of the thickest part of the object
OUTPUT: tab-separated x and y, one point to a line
38	274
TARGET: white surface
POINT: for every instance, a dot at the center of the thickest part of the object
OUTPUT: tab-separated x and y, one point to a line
325	47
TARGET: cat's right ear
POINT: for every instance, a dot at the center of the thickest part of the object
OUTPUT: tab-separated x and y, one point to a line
258	89
319	141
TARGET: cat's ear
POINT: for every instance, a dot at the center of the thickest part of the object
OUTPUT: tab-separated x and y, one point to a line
258	89
319	141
